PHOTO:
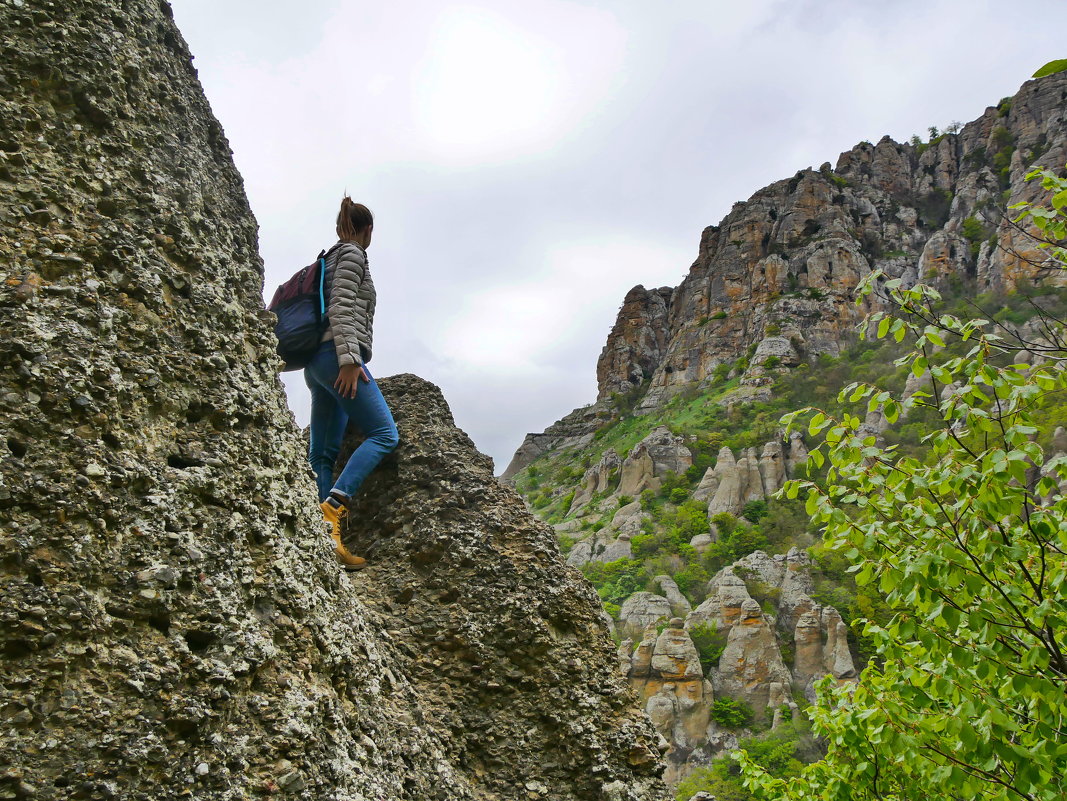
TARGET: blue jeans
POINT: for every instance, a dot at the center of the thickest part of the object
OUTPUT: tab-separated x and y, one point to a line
330	414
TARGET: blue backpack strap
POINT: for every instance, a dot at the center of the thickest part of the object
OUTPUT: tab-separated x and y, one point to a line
322	286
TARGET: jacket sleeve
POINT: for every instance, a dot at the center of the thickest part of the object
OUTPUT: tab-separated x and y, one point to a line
346	310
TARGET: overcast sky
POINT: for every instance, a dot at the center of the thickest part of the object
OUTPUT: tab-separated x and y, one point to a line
528	161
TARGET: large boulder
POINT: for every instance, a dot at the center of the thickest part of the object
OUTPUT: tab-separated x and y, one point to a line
597	479
636	343
640	611
821	648
728	485
772	467
722	607
659	453
680	605
173	622
752	660
598	548
666	674
709	483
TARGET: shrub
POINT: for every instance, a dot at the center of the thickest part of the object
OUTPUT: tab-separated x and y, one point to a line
726	523
616	581
693	579
777	752
625	499
709	642
566	501
731	713
772	361
767	595
754	511
672	481
1002	137
679	495
934	208
719	315
784	522
974	232
648	499
690	519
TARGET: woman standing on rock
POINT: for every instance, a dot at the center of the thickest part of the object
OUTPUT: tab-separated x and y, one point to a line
342	388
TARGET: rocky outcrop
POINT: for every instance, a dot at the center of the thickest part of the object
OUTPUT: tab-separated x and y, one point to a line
772	283
600	548
576	430
628	519
658	454
495	629
597	479
660	660
611	542
752	660
636	343
641	611
172	620
818	633
734	482
680	605
821	647
674	692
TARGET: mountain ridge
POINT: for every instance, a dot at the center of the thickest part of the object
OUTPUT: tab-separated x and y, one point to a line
774	277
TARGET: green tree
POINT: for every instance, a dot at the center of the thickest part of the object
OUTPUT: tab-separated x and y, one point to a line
968	699
731	713
776	752
709	642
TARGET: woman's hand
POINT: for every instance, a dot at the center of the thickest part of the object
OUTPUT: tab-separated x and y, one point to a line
348	379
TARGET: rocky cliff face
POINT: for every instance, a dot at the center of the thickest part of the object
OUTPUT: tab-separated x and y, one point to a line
778	272
505	645
766	652
773	282
172	621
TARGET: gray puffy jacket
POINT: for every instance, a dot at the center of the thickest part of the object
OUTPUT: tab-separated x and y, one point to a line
351	307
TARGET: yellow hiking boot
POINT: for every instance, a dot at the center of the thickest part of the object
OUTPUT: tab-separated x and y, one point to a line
333	514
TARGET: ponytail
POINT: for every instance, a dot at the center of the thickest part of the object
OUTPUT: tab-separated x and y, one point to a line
352	220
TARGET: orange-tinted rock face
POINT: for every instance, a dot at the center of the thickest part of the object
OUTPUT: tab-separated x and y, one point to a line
788	260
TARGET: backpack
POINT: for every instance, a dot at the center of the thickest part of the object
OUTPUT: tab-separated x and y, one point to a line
300	304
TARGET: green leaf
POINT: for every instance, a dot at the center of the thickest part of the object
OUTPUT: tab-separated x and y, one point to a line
817	424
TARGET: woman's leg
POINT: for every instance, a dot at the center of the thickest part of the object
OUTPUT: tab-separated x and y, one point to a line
370	414
328	422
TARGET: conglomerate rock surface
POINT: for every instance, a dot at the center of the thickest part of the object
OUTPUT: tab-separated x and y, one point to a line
506	646
172	620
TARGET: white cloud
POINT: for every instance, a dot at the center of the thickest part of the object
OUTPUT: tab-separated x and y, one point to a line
572	297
